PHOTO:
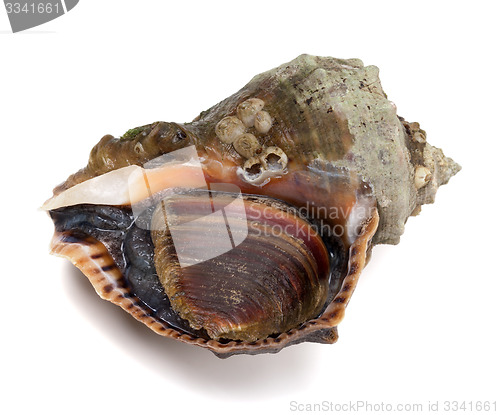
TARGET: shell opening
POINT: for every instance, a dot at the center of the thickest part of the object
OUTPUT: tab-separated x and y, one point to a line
274	159
253	169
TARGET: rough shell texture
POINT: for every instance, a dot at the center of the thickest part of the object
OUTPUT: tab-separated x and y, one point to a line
327	137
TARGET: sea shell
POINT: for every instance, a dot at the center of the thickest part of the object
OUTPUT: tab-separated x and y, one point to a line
314	144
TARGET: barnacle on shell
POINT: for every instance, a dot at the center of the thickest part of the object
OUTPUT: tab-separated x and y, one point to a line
322	168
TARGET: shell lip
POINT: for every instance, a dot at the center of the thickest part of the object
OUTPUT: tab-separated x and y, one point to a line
93	259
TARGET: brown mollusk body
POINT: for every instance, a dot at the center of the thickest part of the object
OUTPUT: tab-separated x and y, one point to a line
316	133
222	303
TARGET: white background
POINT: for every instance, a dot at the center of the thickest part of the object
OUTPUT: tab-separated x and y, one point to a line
423	324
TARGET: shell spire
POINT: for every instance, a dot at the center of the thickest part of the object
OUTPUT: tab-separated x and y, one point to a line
432	167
